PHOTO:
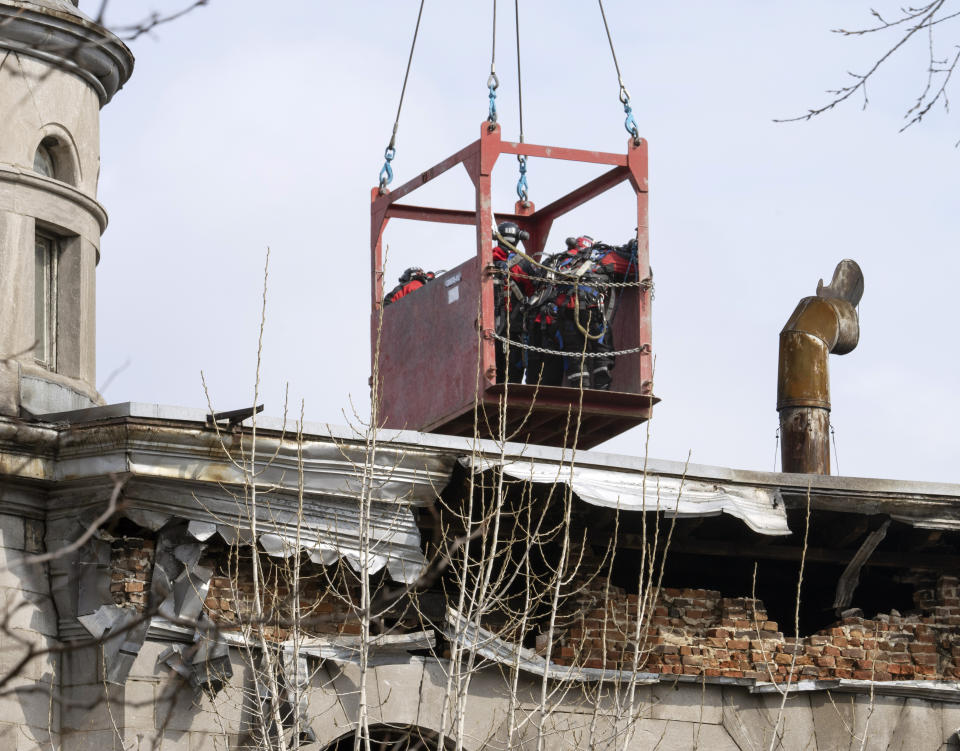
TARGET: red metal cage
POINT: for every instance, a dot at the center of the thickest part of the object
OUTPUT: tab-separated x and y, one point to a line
436	346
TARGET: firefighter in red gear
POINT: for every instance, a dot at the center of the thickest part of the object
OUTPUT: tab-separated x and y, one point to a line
544	320
512	286
410	281
585	315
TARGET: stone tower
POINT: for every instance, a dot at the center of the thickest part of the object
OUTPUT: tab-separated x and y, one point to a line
57	69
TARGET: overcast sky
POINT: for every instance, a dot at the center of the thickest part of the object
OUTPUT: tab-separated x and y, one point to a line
251	124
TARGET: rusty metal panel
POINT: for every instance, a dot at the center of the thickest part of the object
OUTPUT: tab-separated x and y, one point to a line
627	371
428	350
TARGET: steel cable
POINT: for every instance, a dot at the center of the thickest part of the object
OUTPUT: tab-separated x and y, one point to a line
630	123
522	187
493	83
386	172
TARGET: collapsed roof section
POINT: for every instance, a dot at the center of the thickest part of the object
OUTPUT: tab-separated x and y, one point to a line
177	471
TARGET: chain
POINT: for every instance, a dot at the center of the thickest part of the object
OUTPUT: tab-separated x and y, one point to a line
646	284
545	351
573	278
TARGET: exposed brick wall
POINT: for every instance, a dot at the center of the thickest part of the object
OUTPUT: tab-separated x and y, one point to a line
230	599
325	608
131	568
697	631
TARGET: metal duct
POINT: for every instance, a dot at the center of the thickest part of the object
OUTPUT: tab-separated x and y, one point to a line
820	325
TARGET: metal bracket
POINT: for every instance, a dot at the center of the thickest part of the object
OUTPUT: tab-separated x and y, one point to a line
234	417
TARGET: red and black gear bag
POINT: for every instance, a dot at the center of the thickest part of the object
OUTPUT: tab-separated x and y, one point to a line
619	263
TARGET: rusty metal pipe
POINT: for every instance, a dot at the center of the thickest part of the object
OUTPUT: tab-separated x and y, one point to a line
820	325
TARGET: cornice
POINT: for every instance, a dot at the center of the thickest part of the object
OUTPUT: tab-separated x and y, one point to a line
69	42
17	176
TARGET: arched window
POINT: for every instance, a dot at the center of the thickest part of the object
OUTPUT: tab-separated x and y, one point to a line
56	156
43	162
396	739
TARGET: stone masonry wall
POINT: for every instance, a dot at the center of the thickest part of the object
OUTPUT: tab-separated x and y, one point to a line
700	632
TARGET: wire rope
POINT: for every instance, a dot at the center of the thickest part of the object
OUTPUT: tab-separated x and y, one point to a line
630	123
493	83
523	189
386	172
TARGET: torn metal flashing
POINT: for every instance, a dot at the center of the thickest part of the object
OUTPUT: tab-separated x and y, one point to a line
761	509
944	691
382	649
490	646
326	532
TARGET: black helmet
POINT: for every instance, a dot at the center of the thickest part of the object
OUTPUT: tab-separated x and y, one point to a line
412	272
579	243
510	232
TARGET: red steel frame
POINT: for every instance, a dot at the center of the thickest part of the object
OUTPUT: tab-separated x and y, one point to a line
617	412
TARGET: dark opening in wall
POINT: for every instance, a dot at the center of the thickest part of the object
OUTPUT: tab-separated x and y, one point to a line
396	739
719	553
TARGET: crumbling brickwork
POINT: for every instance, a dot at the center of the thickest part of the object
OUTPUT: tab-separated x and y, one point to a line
700	632
131	568
231	598
327	594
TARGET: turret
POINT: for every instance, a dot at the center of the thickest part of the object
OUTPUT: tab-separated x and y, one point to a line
57	69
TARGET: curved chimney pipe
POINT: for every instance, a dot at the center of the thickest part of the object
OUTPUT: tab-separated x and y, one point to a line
820	325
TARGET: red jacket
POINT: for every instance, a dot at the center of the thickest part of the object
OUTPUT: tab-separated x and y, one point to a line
519	272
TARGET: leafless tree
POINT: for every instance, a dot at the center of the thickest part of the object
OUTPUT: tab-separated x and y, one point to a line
924	24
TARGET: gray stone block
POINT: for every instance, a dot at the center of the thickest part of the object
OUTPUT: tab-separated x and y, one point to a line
329	720
919	727
88	708
11	533
686	703
91	740
648	734
713	738
950	715
139	704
